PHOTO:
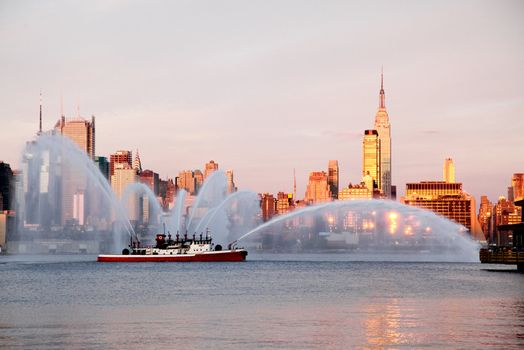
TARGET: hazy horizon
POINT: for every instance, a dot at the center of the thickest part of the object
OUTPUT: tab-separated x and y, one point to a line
264	87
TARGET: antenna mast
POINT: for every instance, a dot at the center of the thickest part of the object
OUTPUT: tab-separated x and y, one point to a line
294	185
40	128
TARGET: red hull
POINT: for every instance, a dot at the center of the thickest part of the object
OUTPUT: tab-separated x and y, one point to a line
234	255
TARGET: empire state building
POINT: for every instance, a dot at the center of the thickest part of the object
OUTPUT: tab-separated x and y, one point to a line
384	134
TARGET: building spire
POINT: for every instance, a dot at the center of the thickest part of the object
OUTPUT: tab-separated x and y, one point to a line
137	164
382	99
294	185
40	127
61	105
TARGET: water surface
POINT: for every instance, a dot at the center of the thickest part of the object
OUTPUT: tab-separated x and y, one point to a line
268	302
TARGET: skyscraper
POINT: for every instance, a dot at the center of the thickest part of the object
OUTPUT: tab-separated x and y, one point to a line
284	203
186	180
517	182
137	163
199	180
446	199
82	133
318	188
210	168
123	176
371	157
485	217
151	180
449	171
103	166
230	182
7	186
267	203
333	178
120	157
383	128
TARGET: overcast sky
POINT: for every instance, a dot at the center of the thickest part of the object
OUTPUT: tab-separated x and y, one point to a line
263	87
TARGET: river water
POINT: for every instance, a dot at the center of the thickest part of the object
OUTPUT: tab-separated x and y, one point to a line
268	302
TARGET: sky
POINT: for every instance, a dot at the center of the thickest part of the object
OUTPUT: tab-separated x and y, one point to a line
265	87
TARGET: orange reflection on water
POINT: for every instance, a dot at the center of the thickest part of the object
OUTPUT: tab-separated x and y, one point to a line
382	326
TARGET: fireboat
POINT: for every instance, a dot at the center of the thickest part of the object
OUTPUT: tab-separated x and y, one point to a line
180	249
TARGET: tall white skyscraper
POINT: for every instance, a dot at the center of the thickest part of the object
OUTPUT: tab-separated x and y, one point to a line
384	134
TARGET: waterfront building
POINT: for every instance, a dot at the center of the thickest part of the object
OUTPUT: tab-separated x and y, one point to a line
210	168
230	182
317	189
517	182
355	192
124	175
284	203
449	171
7	227
383	129
267	203
485	217
446	199
505	213
6	186
119	157
103	166
371	157
186	180
333	180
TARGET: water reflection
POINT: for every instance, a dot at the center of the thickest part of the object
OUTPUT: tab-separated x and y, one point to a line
382	324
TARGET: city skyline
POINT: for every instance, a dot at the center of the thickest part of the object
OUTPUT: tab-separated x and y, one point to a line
264	103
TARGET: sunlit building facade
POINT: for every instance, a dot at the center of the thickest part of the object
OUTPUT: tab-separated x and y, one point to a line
199	180
383	127
318	188
371	157
267	203
446	199
505	213
186	180
80	131
333	180
355	192
119	157
517	182
449	171
284	203
230	182
485	217
210	168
